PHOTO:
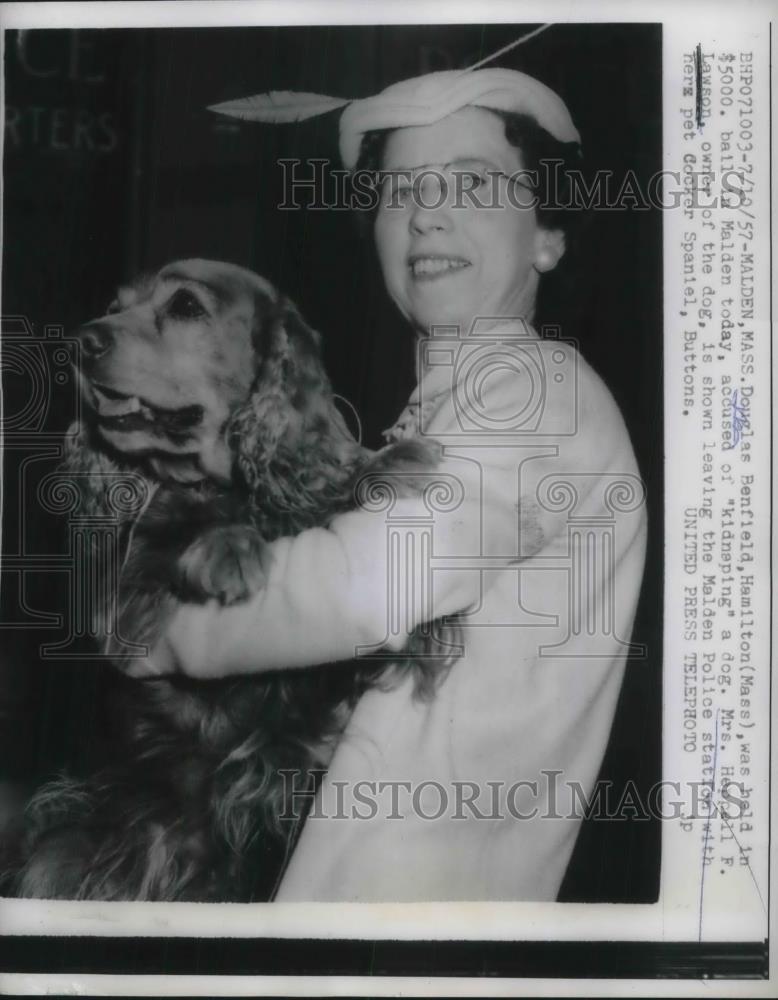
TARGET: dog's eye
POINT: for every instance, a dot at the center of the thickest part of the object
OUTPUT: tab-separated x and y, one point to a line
185	305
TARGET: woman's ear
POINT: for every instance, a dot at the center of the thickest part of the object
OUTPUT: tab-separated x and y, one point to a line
549	249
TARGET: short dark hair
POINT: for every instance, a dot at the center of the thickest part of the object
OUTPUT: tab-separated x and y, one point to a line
540	151
543	156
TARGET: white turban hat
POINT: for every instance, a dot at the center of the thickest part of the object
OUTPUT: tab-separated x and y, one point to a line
422	100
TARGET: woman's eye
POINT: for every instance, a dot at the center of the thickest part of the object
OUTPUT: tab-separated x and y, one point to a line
472	179
395	190
401	189
185	305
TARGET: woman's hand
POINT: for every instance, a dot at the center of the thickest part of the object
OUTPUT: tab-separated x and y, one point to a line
190	646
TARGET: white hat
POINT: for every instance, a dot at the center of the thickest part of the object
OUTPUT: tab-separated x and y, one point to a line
424	100
421	100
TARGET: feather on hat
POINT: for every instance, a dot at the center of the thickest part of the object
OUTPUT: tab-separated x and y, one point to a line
422	100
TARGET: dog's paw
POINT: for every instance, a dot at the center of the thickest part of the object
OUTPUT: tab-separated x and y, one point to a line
225	563
412	454
409	466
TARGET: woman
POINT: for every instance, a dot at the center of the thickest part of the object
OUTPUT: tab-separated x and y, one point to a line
476	792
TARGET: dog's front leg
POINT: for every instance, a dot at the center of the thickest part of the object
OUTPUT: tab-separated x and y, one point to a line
409	465
224	562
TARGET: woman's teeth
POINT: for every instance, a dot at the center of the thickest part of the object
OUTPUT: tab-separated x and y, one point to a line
431	266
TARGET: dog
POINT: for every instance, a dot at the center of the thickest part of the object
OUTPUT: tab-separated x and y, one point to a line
205	398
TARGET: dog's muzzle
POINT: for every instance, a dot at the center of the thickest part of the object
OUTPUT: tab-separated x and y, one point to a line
95	340
118	411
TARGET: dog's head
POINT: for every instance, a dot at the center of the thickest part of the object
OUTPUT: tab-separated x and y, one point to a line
202	368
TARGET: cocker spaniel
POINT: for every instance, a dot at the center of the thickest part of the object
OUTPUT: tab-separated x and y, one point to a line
204	390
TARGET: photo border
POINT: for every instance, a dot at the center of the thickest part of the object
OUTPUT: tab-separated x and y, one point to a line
46	953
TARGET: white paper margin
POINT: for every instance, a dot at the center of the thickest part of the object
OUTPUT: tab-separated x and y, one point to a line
684	25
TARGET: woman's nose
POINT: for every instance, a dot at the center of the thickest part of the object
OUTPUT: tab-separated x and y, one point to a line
431	209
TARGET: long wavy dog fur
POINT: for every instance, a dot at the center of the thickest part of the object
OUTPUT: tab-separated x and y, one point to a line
205	392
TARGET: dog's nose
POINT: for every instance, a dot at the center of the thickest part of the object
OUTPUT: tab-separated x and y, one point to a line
95	340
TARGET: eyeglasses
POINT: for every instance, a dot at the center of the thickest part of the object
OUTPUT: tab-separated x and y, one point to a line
461	184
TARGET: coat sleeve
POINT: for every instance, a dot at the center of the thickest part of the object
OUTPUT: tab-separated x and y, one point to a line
332	591
328	594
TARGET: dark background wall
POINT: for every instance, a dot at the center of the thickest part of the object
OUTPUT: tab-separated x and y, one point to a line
113	165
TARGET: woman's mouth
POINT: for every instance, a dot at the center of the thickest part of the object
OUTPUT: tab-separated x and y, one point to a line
429	267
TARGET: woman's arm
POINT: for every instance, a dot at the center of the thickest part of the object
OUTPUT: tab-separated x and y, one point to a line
328	592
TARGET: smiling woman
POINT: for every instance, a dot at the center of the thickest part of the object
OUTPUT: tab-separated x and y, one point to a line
447	260
534	446
178	182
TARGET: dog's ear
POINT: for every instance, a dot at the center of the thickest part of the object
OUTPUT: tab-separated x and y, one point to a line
289	439
92	475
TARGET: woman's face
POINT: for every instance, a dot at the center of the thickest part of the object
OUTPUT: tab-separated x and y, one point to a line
455	261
